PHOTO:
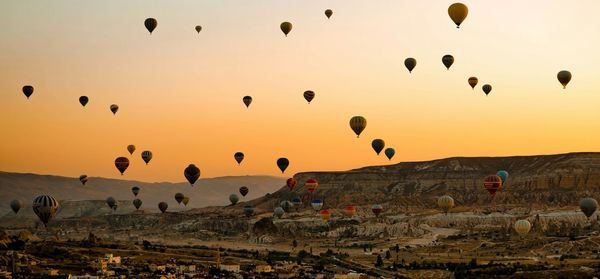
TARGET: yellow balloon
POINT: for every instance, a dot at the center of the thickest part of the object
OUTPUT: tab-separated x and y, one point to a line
522	227
458	12
445	203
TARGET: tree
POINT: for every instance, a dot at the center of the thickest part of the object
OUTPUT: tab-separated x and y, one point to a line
294	244
388	255
379	262
397	248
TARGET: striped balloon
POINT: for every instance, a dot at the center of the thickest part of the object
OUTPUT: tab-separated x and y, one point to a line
316	204
350	211
45	208
309	95
522	227
325	215
311	185
445	203
358	124
147	156
377	209
492	183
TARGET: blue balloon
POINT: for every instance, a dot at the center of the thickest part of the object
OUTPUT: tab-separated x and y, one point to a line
389	152
503	174
316	204
297	201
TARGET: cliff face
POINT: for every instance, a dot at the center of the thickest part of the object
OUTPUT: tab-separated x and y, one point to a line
550	180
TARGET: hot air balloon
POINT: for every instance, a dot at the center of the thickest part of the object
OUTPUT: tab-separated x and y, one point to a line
350	211
377	209
112	203
286	205
325	215
163	206
233	198
247	100
137	203
114	108
135	190
358	124
297	201
179	197
286	27
244	191
328	13
83	178
278	212
458	12
588	206
15	205
83	100
311	185
248	210
122	163
492	183
564	77
389	153
198	28
486	89
316	204
309	95
522	227
378	145
503	175
410	64
185	201
150	24
282	164
445	203
147	156
448	60
191	173
473	82
239	157
45	208
27	90
131	149
291	183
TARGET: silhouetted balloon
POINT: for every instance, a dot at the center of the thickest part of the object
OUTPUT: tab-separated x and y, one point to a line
486	89
131	149
286	205
83	178
325	215
191	173
389	153
198	28
291	183
15	205
147	156
244	191
282	164
378	145
350	211
358	124
564	77
248	210
150	24
458	12
588	206
522	227
233	198
27	90
473	82
114	108
328	13
122	164
45	208
185	201
239	157
445	203
448	60
83	100
492	183
286	27
135	190
247	100
311	185
112	203
377	209
309	95
410	64
278	212
316	204
137	203
179	197
163	206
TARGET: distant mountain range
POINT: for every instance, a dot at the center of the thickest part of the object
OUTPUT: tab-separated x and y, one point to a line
206	192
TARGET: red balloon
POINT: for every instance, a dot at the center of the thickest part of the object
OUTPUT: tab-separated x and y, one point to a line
311	185
122	164
492	183
163	206
291	183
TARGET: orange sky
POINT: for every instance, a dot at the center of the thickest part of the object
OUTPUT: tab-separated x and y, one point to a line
180	92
